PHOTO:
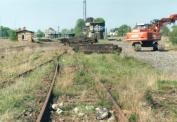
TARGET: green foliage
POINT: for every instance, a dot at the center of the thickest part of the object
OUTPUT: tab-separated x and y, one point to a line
165	31
83	77
40	34
13	35
80	25
122	30
133	117
166	83
104	103
173	35
101	20
104	80
149	98
5	31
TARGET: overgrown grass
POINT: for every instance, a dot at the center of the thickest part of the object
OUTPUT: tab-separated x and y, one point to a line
129	80
20	96
166	83
14	65
83	77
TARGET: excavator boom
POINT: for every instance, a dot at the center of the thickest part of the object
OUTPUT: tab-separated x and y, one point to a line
157	24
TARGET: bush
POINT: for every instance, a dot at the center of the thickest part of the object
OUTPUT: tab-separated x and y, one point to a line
40	34
173	35
13	35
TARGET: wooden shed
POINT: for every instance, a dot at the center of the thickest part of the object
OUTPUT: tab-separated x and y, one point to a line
25	35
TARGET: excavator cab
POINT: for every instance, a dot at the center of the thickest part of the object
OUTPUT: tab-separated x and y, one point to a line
142	26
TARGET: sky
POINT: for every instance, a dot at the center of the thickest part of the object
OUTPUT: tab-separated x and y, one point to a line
42	14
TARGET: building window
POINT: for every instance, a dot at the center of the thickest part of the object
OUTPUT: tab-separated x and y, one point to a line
24	37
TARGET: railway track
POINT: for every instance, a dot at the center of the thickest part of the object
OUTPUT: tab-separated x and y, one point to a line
11	49
3	84
24	62
35	58
41	117
10	80
118	112
44	110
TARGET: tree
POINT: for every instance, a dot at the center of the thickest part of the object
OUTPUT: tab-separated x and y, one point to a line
100	20
51	29
173	35
40	34
80	25
122	30
5	31
13	35
165	31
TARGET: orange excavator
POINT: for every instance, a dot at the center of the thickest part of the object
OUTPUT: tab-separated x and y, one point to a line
148	35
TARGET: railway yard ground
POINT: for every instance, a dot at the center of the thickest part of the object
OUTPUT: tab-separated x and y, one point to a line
143	84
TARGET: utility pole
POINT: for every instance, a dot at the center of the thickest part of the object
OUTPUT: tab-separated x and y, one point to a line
84	10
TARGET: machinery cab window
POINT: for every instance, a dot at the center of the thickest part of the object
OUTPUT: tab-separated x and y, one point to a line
143	26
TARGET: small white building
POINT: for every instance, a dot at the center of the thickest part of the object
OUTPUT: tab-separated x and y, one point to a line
51	33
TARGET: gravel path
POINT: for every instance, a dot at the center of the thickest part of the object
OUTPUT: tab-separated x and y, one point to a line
166	60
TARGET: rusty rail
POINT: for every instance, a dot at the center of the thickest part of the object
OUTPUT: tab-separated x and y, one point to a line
39	119
118	112
44	107
2	83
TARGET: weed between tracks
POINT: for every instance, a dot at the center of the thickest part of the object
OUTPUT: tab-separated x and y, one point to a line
135	85
13	65
21	97
22	100
76	89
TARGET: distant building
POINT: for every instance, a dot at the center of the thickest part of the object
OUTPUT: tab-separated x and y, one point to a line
52	34
69	35
114	32
95	29
25	35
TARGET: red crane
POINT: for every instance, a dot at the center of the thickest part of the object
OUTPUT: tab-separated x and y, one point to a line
148	35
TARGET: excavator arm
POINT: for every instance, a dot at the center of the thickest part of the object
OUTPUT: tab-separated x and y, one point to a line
173	17
157	24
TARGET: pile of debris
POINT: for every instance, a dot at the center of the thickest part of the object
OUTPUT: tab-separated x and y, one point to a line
89	45
45	40
82	112
97	48
78	40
